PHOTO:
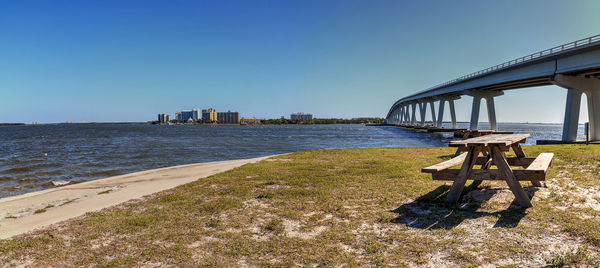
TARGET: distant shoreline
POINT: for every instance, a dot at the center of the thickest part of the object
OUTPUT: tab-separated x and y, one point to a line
299	123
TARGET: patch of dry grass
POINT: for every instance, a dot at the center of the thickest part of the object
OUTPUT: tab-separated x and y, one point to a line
350	207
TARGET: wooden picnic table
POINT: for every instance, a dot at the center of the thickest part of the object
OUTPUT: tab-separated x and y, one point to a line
496	146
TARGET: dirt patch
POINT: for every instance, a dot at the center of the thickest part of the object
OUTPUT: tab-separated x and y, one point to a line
292	229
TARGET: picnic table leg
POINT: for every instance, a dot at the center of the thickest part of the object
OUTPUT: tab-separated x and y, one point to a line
512	182
520	154
463	175
458	151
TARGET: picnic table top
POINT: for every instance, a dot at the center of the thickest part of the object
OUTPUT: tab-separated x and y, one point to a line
493	139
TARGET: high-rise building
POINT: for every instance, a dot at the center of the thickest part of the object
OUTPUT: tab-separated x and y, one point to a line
228	117
163	118
301	116
209	115
196	114
186	116
178	116
190	115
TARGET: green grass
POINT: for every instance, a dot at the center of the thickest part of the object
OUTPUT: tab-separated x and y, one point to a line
68	202
42	210
105	192
354	207
265	195
580	256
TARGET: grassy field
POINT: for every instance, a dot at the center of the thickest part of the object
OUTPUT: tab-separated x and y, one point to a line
338	207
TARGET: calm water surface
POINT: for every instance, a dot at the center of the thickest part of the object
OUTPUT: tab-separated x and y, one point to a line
32	157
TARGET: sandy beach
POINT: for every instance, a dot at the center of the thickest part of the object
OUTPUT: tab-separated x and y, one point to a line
27	212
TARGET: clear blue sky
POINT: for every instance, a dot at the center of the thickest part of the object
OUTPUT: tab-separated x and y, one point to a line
129	60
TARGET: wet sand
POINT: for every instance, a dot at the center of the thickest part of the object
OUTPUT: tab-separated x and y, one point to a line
18	213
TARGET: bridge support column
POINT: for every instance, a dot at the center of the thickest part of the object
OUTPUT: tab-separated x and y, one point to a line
399	112
475	113
433	113
422	107
593	99
400	115
576	85
440	118
413	118
452	114
489	100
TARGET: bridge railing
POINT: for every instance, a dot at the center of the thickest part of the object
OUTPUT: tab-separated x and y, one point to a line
543	53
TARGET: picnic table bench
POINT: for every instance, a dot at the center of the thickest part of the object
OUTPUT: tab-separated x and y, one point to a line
496	145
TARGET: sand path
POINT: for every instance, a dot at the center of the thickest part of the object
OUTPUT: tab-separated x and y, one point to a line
17	213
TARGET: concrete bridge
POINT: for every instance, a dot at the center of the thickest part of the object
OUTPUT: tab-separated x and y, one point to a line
574	66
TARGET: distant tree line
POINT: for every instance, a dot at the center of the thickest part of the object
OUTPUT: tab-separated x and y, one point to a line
196	122
284	121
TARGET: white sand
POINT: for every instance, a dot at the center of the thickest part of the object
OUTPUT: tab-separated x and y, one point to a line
86	198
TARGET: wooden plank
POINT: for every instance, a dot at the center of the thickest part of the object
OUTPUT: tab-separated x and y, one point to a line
541	163
512	161
465	172
494	139
499	139
518	150
510	178
445	165
483	148
520	154
488	174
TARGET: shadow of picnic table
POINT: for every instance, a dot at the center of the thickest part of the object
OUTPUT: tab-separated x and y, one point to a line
431	211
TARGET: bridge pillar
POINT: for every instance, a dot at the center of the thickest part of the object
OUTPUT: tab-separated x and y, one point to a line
593	99
572	108
576	85
413	118
489	100
422	110
452	114
433	113
401	115
406	114
475	113
440	118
